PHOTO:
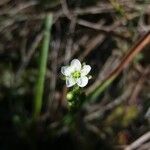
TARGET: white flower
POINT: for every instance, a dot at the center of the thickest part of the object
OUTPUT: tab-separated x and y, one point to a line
76	73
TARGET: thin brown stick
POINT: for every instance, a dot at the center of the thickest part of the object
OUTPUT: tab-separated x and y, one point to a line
139	46
103	30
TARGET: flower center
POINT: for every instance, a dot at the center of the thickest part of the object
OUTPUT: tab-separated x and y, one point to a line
76	74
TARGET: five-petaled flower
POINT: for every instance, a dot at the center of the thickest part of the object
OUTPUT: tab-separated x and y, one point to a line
76	73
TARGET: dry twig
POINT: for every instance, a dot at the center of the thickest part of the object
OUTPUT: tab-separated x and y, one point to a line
139	141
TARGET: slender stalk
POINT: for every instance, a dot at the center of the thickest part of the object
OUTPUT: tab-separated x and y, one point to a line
42	67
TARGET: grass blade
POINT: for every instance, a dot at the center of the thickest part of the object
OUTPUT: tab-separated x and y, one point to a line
42	67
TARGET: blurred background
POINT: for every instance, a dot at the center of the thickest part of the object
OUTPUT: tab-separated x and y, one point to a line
115	113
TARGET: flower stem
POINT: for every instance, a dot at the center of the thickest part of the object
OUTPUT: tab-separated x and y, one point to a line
42	67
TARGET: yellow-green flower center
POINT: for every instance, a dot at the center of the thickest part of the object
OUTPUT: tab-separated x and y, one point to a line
76	74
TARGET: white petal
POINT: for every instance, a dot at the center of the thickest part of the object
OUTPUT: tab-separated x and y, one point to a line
75	63
63	70
85	70
70	82
82	81
66	70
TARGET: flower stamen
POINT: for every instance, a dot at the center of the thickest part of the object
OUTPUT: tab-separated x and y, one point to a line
76	74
